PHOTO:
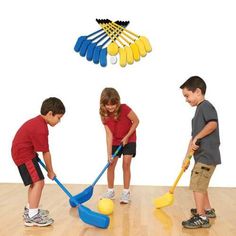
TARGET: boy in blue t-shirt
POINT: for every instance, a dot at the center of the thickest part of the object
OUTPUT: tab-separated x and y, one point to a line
205	128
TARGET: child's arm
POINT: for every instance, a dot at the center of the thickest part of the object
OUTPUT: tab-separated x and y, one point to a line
48	162
135	121
109	138
208	129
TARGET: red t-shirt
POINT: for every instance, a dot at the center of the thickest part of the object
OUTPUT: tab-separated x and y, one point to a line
121	126
32	137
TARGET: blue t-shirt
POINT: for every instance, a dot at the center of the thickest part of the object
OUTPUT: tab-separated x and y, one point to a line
208	152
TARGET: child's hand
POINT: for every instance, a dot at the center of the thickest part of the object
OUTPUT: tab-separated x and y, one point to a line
51	175
110	158
125	140
195	146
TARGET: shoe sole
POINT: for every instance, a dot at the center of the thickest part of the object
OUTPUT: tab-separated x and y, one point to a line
28	224
124	202
197	227
36	224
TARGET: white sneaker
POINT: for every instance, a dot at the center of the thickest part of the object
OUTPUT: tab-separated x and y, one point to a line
38	220
42	212
109	194
125	198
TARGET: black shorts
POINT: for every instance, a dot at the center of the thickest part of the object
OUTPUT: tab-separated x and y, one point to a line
30	172
128	149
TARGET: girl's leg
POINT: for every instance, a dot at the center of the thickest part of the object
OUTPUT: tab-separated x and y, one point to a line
34	194
126	170
111	173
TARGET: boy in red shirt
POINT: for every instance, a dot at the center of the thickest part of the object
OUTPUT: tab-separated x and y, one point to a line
32	137
120	124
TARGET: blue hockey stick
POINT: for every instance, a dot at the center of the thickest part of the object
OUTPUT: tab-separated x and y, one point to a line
86	215
87	193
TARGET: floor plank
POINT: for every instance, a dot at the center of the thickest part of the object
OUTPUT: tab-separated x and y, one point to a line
136	219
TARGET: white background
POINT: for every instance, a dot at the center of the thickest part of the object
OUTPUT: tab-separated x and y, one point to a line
37	61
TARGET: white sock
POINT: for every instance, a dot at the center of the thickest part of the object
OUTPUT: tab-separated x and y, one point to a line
126	191
33	212
27	206
110	190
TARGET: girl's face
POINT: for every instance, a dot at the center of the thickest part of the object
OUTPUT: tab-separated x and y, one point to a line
111	108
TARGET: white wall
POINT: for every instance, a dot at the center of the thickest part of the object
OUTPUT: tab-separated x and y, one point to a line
37	61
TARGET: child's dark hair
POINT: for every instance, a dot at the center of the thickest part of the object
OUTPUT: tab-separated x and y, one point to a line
54	105
193	83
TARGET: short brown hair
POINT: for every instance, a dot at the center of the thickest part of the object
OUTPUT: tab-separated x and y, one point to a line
54	105
193	83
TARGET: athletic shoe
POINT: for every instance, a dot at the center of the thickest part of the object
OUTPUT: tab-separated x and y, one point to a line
38	220
125	198
196	222
209	213
109	194
41	212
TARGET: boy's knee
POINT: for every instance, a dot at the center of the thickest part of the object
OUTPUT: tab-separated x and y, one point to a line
42	183
39	183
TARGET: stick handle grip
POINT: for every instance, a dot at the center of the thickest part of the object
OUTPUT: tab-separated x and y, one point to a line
172	189
56	180
106	166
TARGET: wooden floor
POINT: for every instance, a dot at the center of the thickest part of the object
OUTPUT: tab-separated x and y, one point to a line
136	219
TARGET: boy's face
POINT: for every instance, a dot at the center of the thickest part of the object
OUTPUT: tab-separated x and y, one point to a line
193	98
53	120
